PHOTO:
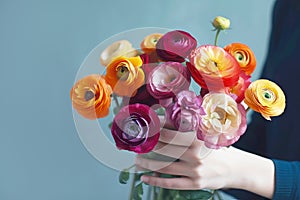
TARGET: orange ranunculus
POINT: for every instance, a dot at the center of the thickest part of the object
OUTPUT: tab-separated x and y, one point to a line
265	97
243	55
116	49
148	45
91	97
125	75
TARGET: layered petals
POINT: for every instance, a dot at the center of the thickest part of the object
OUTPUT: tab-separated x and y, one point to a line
136	128
125	75
239	89
224	120
185	113
148	45
168	79
175	46
265	97
244	56
116	49
91	97
213	68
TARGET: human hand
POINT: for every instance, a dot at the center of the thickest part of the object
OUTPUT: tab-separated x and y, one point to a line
199	167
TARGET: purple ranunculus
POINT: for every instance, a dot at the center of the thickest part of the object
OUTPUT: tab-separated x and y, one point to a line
185	114
167	80
175	46
136	128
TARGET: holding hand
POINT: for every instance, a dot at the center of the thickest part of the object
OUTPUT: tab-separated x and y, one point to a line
199	167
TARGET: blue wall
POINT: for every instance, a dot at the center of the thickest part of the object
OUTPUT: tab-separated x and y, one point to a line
43	43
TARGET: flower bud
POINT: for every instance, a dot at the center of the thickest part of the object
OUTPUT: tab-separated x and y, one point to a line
221	23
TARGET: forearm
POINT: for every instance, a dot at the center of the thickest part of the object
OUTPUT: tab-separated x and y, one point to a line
251	172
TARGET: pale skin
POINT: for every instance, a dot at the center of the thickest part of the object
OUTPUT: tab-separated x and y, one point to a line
200	167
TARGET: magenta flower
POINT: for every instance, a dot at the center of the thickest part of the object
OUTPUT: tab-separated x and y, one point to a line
184	115
175	46
148	64
168	79
136	128
224	120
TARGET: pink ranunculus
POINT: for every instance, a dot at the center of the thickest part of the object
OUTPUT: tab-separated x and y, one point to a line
167	80
224	120
148	64
136	128
185	113
175	46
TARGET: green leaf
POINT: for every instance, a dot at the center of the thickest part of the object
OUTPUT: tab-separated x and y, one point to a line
124	176
160	111
110	125
116	110
195	194
138	191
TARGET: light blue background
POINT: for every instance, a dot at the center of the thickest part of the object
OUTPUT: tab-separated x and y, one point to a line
43	43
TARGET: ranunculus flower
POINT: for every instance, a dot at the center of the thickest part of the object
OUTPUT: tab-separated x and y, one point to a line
148	64
184	115
125	75
265	97
243	55
239	89
224	121
175	46
142	96
148	45
116	49
213	68
136	128
168	79
91	97
221	23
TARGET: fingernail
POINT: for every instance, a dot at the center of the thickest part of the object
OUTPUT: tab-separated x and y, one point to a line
145	178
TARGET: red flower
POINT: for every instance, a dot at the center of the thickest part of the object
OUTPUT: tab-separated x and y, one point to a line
213	68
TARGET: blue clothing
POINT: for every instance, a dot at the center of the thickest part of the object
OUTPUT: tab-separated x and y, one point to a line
280	138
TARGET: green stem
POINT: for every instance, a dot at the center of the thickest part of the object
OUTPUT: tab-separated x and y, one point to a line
116	100
132	166
150	188
135	177
154	192
217	36
217	194
161	194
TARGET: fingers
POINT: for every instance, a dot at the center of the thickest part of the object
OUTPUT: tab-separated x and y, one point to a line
182	183
175	168
177	138
170	150
192	154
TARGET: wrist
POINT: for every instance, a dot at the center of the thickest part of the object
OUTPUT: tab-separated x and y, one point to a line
251	172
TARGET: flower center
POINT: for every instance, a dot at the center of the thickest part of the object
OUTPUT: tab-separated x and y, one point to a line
132	129
122	72
268	94
154	40
89	95
239	57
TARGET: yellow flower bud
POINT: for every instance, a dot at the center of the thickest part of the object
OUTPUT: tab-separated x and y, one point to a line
221	23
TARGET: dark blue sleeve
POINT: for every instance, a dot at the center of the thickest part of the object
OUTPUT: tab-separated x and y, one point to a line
287	180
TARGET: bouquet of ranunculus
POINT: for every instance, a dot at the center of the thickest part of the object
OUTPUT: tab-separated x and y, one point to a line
152	88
